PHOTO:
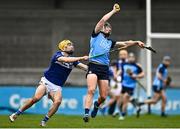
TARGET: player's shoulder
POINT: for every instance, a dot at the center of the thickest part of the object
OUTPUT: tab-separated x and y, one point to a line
160	66
57	53
139	65
94	34
125	64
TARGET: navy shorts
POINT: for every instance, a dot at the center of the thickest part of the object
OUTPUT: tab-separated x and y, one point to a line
157	89
102	71
128	90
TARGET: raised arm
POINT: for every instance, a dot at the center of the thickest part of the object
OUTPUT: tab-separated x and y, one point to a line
105	18
72	59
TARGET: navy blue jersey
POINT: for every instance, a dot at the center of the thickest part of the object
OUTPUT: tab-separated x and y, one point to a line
99	44
111	72
162	69
127	80
58	72
120	62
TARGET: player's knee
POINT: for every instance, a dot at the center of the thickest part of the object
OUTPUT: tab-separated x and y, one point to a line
103	97
164	100
154	101
57	102
91	91
35	99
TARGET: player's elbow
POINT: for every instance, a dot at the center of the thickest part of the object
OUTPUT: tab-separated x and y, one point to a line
142	74
63	60
102	21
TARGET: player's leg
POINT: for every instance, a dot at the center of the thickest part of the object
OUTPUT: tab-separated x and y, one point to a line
163	103
125	101
154	99
56	97
110	101
40	92
91	84
120	102
103	92
117	93
116	111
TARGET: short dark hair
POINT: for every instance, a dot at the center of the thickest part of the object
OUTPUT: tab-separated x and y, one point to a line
107	24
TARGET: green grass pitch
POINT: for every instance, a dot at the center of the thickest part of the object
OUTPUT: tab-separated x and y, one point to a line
67	121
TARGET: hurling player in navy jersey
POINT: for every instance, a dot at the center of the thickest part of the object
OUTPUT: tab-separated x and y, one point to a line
99	66
54	78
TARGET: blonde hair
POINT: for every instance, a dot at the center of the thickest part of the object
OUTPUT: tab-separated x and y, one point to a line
63	44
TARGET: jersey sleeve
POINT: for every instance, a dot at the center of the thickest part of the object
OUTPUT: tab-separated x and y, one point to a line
57	55
113	43
76	63
94	34
161	70
139	69
110	73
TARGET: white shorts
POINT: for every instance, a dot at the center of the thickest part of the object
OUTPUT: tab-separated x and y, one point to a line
50	87
115	88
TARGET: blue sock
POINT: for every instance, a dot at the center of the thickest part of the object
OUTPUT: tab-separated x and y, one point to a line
86	111
96	104
46	118
123	114
18	112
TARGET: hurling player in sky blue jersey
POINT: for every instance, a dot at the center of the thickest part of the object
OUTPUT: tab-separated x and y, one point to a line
54	78
131	71
159	84
99	66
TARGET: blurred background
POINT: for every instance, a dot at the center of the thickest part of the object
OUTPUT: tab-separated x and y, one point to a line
31	29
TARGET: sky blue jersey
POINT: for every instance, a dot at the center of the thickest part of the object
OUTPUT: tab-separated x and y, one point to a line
127	81
58	72
162	69
99	44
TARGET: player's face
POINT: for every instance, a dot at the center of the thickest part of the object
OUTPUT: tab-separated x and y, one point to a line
123	55
167	63
107	30
70	48
131	59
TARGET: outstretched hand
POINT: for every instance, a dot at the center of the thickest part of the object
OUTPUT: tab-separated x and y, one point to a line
140	44
84	58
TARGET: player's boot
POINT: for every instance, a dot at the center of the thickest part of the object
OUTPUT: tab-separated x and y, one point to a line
86	118
13	117
138	110
116	113
43	123
121	118
164	115
95	110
